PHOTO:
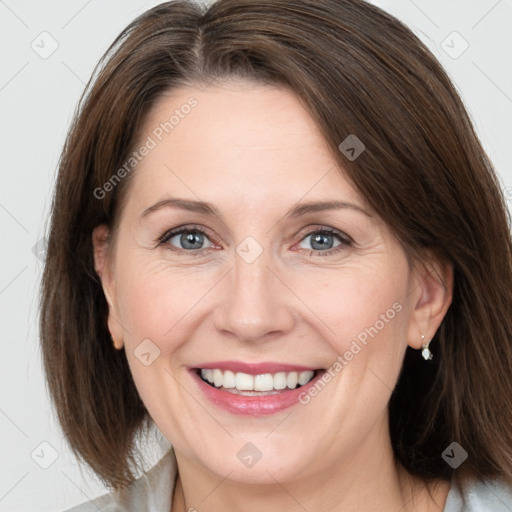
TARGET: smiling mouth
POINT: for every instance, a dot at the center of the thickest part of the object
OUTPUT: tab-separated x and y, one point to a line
239	383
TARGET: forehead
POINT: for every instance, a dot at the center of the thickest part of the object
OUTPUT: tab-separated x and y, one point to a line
235	142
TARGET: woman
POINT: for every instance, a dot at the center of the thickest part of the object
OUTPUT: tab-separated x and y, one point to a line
276	237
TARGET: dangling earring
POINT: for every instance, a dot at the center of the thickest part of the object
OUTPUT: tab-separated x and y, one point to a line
425	351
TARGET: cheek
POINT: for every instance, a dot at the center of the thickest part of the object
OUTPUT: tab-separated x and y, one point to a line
155	305
356	304
158	302
362	313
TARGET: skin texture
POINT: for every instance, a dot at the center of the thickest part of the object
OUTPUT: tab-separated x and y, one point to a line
254	152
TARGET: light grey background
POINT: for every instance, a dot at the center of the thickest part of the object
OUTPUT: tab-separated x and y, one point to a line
38	94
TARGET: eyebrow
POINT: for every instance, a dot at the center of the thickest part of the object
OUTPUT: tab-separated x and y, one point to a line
209	209
305	208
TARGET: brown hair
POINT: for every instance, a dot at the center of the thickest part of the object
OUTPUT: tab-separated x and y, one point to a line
358	71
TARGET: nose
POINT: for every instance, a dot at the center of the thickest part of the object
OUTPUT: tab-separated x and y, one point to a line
254	304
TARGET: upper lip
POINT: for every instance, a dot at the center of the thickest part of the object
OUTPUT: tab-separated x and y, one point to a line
253	368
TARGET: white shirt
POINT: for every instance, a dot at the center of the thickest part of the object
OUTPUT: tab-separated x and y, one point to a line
153	492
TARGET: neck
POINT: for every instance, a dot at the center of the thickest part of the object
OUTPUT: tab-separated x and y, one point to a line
369	480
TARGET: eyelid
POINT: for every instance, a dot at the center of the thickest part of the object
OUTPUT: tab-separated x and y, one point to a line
345	241
318	228
170	233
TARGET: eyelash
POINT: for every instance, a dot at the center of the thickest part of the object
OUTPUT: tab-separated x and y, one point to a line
345	240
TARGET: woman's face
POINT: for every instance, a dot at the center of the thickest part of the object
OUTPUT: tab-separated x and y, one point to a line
275	290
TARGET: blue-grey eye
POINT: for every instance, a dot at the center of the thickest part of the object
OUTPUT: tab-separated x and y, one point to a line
191	240
322	240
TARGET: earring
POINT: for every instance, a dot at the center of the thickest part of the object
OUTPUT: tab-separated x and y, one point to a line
113	341
425	351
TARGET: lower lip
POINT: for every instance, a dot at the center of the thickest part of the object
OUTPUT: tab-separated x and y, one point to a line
253	405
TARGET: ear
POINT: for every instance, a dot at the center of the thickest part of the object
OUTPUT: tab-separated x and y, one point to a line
103	267
431	296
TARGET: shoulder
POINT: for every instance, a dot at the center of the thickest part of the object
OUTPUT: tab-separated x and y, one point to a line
151	492
475	496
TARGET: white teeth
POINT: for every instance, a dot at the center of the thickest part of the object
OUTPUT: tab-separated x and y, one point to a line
244	382
292	379
229	380
304	378
280	380
207	374
218	378
264	382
